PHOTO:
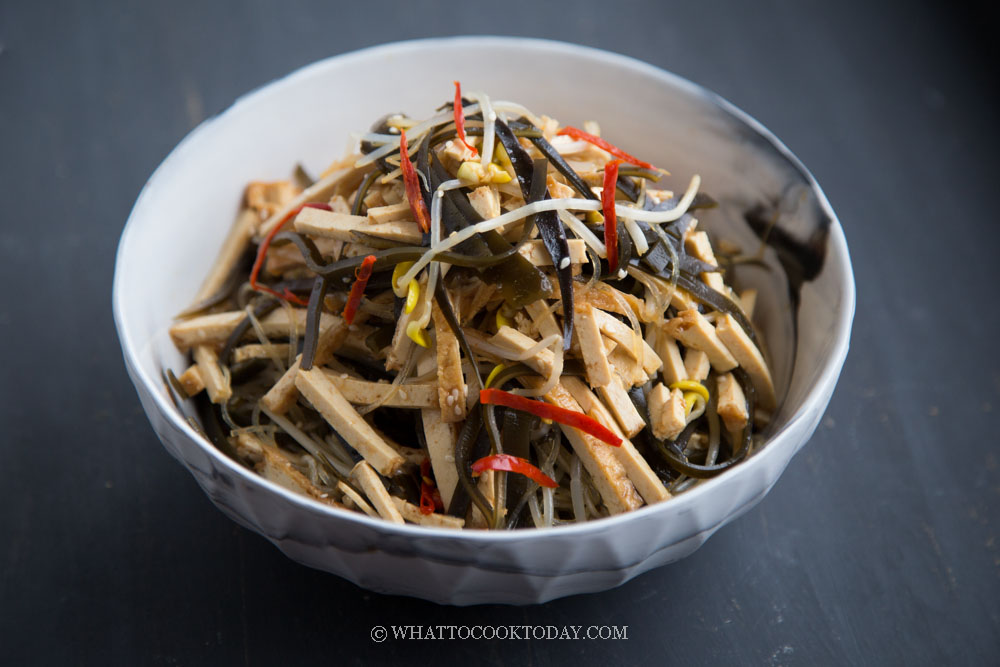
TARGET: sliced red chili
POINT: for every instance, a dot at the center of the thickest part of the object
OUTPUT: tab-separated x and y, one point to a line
412	183
601	143
610	219
362	274
262	253
460	118
577	420
508	463
430	497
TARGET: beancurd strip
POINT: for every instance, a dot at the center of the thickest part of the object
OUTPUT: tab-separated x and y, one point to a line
373	487
214	329
216	382
639	472
229	256
346	421
609	475
412	513
322	190
356	498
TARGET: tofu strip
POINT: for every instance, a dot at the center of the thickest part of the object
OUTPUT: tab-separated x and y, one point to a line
512	339
696	365
681	300
441	448
609	475
373	487
591	346
346	421
214	329
321	190
216	383
667	411
692	329
276	467
362	392
282	396
626	366
543	319
391	213
621	406
732	403
748	301
622	334
317	222
452	391
258	351
535	252
670	354
639	472
352	496
232	249
342	227
749	357
412	513
191	380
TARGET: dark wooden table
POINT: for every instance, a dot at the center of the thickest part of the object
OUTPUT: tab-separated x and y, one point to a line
878	545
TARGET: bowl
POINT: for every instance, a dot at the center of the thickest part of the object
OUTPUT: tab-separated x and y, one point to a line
186	207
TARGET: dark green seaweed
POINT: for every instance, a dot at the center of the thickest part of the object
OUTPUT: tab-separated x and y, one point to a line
551	229
313	313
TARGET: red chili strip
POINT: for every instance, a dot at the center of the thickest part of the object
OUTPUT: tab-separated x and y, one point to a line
601	143
460	118
362	274
610	219
412	183
508	463
544	410
262	253
430	497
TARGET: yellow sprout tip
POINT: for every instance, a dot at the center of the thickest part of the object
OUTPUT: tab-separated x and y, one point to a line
691	386
470	172
690	398
503	320
498	174
412	296
417	335
399	271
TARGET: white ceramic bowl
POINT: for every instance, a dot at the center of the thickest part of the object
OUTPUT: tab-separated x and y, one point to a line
185	209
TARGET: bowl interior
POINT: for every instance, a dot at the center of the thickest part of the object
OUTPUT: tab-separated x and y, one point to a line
188	205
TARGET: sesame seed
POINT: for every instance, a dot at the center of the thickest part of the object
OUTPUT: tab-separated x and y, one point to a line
564	263
458	410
